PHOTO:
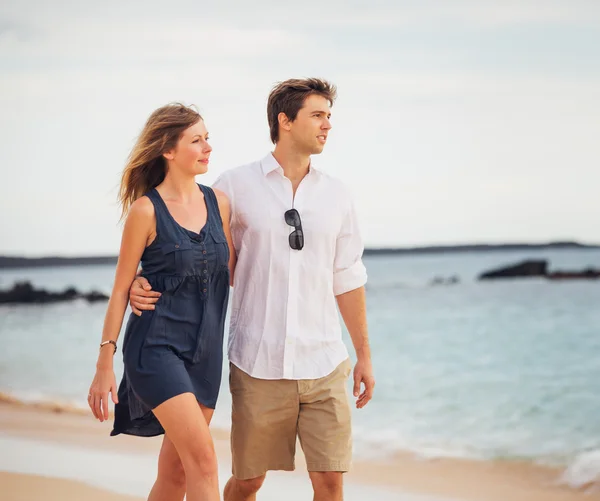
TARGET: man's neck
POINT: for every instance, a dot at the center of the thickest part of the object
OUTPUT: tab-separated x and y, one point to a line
295	165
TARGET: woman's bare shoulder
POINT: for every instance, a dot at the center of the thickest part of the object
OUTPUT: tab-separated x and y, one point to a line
142	209
222	198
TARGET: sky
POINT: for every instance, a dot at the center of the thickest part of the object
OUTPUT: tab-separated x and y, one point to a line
461	121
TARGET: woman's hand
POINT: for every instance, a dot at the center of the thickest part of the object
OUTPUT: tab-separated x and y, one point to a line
104	383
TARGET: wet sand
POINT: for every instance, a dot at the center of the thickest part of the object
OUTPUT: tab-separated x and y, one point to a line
403	477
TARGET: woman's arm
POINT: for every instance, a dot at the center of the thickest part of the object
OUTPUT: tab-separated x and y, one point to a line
225	210
138	232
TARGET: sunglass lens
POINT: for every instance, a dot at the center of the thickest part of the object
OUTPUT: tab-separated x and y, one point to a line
292	217
297	240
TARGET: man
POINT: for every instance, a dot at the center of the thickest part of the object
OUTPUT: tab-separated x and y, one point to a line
299	251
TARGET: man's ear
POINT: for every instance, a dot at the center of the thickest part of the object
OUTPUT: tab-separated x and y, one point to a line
284	122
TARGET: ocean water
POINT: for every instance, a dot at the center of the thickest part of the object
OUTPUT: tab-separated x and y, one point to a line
488	370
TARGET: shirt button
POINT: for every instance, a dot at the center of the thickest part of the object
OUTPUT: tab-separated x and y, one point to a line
205	261
205	272
203	252
177	246
203	290
205	280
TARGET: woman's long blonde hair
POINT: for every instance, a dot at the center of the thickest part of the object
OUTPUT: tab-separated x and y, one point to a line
146	167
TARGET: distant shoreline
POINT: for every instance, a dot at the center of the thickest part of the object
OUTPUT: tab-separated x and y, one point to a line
52	261
440	249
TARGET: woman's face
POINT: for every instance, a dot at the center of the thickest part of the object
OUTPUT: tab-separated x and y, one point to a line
191	155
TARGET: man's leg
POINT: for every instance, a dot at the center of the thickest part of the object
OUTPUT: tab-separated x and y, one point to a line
328	485
242	490
264	417
325	431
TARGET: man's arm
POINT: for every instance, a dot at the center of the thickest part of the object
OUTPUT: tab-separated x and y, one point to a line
349	278
353	307
141	295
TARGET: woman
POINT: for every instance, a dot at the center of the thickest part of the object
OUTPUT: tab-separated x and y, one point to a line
179	230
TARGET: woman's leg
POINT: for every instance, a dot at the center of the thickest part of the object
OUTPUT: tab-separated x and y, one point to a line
170	482
186	427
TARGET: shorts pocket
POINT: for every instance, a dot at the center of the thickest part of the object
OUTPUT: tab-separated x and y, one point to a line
233	378
347	368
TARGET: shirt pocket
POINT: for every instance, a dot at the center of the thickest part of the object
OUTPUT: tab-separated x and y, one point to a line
221	248
178	255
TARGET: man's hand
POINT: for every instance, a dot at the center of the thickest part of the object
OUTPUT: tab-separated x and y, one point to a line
363	373
141	296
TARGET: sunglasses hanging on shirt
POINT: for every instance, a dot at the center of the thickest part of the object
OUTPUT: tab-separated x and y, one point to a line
296	238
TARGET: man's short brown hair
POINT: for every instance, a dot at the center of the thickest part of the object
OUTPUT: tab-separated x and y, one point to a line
288	97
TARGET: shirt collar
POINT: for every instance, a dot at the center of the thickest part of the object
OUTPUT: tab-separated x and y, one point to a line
268	164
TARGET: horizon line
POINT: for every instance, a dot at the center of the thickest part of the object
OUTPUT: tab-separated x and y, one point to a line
481	246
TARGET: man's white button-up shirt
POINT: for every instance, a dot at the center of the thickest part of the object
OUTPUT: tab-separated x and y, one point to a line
284	319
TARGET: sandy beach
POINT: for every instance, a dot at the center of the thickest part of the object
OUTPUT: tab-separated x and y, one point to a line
20	487
91	465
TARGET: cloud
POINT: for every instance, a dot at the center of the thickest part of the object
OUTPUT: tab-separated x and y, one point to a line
464	14
93	42
470	84
280	16
443	107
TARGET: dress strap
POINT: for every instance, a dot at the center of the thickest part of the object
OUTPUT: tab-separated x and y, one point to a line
214	215
160	213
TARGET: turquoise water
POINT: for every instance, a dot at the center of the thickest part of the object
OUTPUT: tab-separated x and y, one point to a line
505	369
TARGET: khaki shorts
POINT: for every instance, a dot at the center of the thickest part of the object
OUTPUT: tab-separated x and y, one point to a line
268	415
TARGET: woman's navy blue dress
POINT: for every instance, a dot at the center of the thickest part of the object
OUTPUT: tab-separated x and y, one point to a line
177	347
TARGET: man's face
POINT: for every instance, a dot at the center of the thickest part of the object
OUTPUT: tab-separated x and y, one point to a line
310	129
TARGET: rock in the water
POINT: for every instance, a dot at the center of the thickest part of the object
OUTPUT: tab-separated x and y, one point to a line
539	269
533	268
589	273
25	293
445	280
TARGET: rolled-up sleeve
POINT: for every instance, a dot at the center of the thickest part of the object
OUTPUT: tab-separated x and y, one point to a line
349	272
